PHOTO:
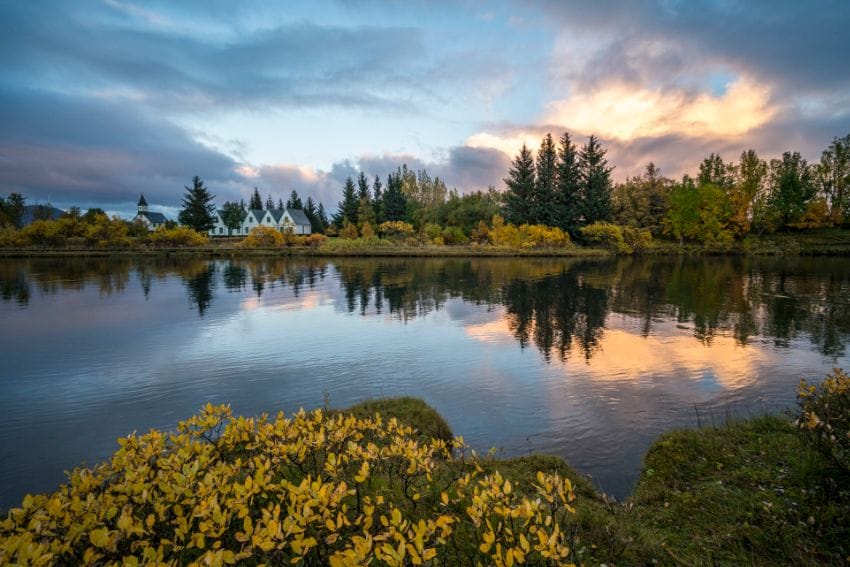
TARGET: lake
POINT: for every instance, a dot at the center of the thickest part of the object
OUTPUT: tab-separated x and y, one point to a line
589	360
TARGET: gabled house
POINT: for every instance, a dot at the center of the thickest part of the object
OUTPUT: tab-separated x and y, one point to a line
151	220
279	219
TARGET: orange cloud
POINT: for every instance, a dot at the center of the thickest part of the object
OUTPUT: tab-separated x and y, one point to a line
620	111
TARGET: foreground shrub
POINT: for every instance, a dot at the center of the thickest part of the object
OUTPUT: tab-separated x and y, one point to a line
315	240
824	417
311	489
263	237
349	231
177	237
396	230
608	235
542	236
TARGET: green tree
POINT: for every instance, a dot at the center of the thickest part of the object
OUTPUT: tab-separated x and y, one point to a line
322	217
699	212
280	205
750	177
713	170
596	181
791	187
520	188
12	210
347	208
269	203
833	179
377	199
544	197
363	187
642	201
256	201
294	201
312	215
394	201
569	191
233	215
198	209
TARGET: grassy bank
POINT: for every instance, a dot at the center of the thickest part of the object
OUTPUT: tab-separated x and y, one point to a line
826	242
748	493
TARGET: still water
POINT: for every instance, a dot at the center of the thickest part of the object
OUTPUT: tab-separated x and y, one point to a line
589	360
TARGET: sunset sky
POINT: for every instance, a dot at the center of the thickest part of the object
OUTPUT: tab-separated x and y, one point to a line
101	100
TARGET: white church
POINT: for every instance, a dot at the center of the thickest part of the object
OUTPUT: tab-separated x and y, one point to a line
279	219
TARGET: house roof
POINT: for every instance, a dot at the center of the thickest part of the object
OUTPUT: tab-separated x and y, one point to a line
156	218
298	216
142	202
276	215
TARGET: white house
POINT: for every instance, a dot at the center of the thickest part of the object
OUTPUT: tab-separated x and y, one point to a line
279	219
151	220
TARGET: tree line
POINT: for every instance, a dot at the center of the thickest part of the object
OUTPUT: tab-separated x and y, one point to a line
570	187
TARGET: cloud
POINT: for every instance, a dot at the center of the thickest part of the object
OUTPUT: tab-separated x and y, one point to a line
73	150
625	112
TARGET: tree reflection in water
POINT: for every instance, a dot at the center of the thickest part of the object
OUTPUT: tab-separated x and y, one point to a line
560	306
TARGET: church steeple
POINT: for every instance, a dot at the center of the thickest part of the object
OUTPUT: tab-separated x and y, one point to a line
143	205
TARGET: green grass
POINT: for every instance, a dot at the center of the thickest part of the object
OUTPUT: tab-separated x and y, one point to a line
748	493
410	411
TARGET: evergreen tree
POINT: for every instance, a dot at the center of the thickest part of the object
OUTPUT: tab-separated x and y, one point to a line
394	201
198	210
377	199
544	197
242	204
362	187
312	215
256	200
520	188
269	203
322	217
280	206
596	182
294	201
347	208
12	209
791	186
570	198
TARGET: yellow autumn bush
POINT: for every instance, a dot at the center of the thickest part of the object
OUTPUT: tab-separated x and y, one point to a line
824	417
310	489
177	237
264	237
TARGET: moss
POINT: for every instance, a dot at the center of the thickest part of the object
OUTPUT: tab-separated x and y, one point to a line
410	411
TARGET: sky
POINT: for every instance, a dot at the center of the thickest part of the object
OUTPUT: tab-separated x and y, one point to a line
102	100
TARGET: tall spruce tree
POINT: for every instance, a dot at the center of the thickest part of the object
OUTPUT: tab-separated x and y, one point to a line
570	198
377	199
596	182
520	188
322	216
280	205
394	200
347	208
198	209
312	216
363	187
544	197
294	201
256	201
269	203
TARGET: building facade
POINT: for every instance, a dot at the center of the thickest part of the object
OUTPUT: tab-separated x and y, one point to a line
151	220
279	219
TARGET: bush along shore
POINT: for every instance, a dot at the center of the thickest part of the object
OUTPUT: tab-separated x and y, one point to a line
49	238
386	483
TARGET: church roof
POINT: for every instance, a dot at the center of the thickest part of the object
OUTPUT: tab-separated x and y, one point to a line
155	218
142	202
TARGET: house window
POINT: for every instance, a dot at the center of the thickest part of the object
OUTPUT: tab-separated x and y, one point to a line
221	230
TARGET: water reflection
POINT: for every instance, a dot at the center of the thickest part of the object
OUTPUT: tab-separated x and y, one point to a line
590	360
559	306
